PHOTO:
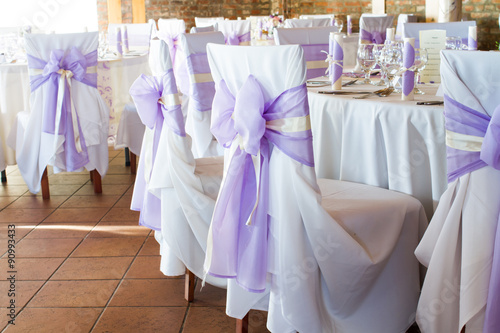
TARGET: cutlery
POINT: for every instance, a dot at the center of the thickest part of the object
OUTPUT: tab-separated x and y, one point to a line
349	83
430	103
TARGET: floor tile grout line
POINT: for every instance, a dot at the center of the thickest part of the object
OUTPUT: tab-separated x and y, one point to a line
187	309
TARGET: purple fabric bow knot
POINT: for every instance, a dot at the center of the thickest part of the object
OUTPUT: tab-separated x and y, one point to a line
59	113
247	125
376	37
157	103
172	43
234	39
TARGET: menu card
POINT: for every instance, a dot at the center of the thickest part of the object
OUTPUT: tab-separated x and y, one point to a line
434	41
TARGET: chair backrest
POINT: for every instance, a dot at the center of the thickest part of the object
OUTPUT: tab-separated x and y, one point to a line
236	32
402	19
57	52
319	16
372	28
159	57
453	29
195	30
237	70
308	23
195	81
313	41
207	21
171	27
138	36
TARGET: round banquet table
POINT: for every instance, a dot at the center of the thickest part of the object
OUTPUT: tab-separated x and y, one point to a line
381	141
114	78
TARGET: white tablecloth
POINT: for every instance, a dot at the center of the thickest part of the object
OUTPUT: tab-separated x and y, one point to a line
380	141
115	76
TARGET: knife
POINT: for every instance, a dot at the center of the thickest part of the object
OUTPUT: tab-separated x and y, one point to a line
430	103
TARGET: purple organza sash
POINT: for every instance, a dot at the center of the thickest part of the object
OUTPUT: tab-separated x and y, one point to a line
172	43
202	88
376	37
464	120
59	116
247	125
233	38
408	76
313	53
157	103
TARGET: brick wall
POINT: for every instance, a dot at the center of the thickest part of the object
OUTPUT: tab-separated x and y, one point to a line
484	12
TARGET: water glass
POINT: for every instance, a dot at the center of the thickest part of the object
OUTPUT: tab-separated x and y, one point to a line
367	61
421	58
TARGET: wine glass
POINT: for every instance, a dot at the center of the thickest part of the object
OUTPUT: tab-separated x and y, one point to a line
377	52
421	58
391	61
103	45
339	24
367	61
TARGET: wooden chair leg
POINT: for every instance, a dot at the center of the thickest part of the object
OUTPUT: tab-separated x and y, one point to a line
127	159
92	176
45	185
133	163
97	181
189	286
4	177
242	325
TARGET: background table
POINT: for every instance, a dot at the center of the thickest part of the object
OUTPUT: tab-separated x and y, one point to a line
114	78
381	141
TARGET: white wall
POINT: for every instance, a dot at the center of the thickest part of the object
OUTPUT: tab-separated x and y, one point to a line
50	15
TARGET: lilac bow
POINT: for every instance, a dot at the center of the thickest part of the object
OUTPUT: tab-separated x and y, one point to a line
376	37
247	125
157	103
234	39
59	113
466	125
172	43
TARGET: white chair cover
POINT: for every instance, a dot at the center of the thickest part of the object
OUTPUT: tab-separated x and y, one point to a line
458	246
172	27
362	242
453	29
39	148
187	189
139	35
241	29
198	121
313	40
308	23
404	18
369	25
330	16
206	21
195	30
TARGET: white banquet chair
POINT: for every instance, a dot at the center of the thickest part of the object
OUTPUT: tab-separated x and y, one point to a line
317	16
308	23
372	28
331	256
76	113
236	32
174	192
139	36
313	41
169	31
206	21
195	30
453	29
197	87
461	246
402	19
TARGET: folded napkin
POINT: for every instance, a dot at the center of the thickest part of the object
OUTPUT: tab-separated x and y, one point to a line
408	75
125	39
336	51
119	41
472	42
349	25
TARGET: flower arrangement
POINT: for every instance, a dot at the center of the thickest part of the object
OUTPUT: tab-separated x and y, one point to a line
274	22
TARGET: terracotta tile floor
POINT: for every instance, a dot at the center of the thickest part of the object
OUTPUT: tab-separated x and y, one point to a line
84	265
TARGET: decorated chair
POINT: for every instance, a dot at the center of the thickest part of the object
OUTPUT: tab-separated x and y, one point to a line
327	256
453	29
206	21
195	30
308	23
174	192
372	28
461	247
169	31
236	32
402	19
68	123
313	41
196	84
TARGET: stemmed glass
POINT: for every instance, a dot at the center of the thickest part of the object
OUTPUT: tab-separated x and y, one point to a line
339	24
391	61
421	58
377	52
367	61
103	45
